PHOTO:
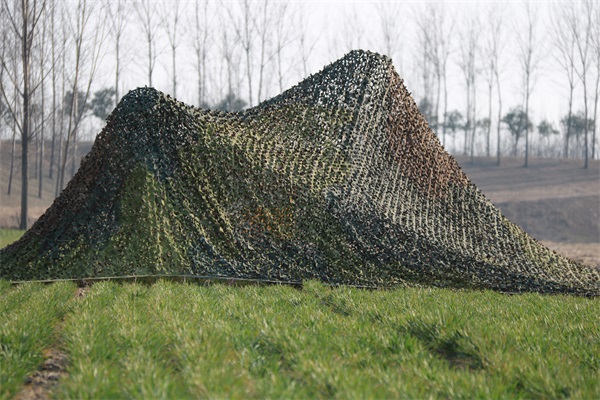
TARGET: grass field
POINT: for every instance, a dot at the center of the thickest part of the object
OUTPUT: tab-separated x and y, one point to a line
7	236
173	340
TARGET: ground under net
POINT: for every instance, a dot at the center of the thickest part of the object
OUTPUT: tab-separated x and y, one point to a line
339	179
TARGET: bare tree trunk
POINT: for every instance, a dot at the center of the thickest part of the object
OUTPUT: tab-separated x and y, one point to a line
173	10
43	106
469	48
569	122
474	128
526	123
59	163
468	121
200	44
596	94
248	48
145	10
528	48
41	140
93	56
283	36
12	158
498	128
74	147
263	28
117	23
53	44
445	110
489	127
596	49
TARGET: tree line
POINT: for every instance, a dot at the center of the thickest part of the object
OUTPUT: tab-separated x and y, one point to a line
65	65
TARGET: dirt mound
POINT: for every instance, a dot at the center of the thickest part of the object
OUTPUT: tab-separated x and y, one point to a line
338	178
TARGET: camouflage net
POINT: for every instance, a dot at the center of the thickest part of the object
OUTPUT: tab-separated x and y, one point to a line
338	178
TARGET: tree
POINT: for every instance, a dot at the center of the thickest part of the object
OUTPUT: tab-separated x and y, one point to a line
307	45
437	31
171	23
201	27
483	125
118	16
492	51
596	51
24	23
577	123
469	38
54	60
283	37
529	50
581	25
230	103
87	36
230	54
145	11
422	56
564	53
103	103
351	31
262	25
389	14
546	129
245	33
454	122
518	123
426	108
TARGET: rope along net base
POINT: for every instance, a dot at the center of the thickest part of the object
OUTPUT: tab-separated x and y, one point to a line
338	179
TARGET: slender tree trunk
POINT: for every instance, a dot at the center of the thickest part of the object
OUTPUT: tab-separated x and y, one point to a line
35	141
174	50
585	124
468	122
117	69
527	124
43	116
51	169
489	127
569	116
263	44
597	93
498	127
150	61
445	110
74	160
59	169
474	128
26	57
12	158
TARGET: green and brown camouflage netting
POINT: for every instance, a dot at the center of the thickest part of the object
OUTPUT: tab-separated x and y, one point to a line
338	178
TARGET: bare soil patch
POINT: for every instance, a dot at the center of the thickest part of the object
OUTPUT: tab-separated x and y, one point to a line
556	201
41	382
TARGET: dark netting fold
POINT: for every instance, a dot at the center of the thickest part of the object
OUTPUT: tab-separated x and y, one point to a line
338	178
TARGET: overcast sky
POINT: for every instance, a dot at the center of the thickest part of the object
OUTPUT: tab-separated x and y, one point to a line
328	20
335	25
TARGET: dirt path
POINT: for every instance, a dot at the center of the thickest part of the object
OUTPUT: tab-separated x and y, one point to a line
40	384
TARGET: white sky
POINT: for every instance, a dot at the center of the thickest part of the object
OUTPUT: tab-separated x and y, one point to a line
328	20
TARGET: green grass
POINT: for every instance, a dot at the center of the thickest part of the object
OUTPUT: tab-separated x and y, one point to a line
173	340
29	315
7	236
